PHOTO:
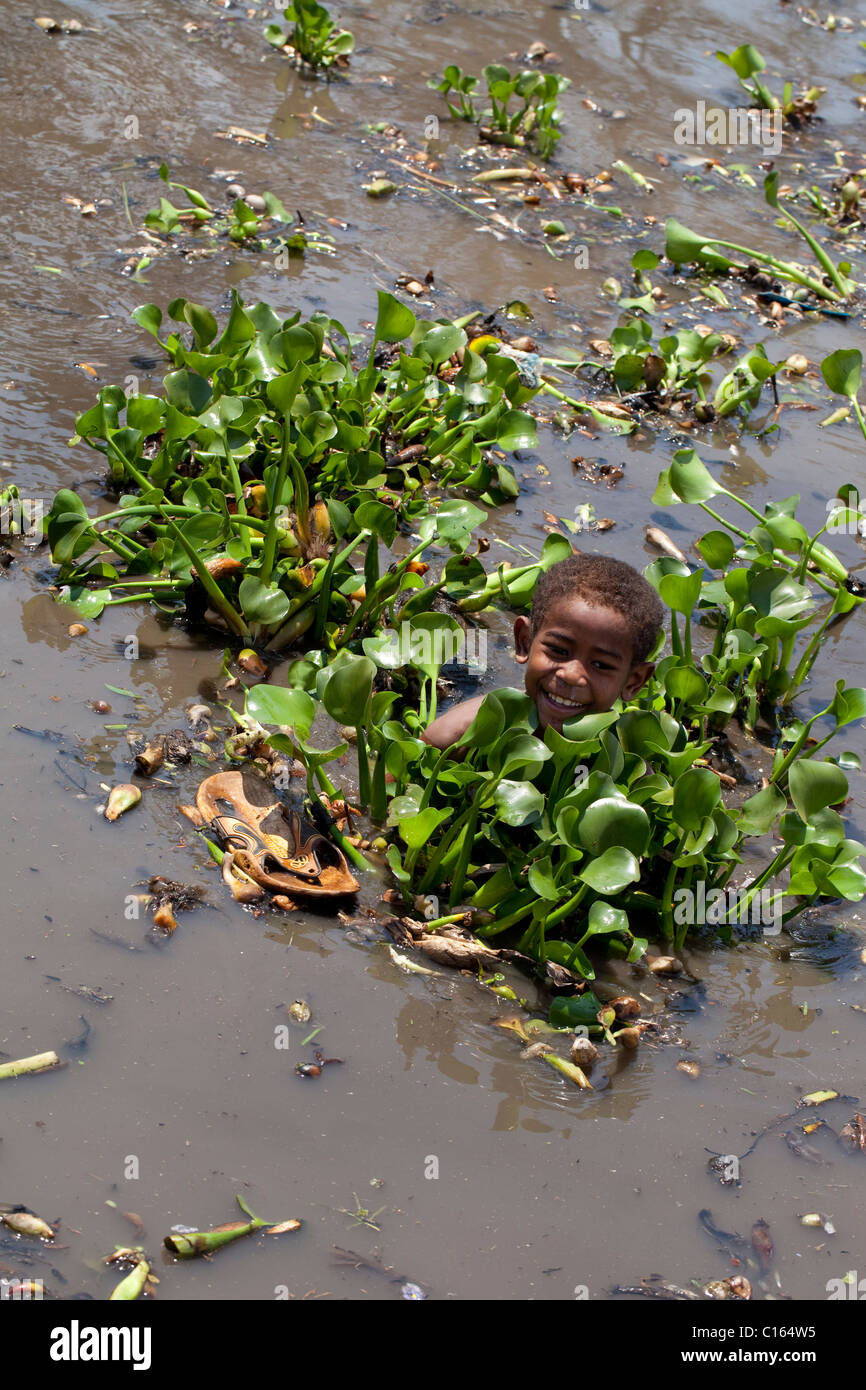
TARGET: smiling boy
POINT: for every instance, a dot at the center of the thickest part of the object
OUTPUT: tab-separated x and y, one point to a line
594	622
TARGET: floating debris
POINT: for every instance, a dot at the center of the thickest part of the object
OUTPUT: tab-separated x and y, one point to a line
28	1066
122	798
188	1244
27	1223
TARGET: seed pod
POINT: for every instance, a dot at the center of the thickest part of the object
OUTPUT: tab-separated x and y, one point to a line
26	1223
222	565
625	1006
320	521
252	663
664	965
151	758
122	798
817	1221
164	917
584	1052
256	499
796	364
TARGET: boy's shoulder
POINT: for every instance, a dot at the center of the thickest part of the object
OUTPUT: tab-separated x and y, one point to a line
451	726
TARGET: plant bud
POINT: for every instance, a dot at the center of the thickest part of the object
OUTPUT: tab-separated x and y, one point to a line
252	663
222	565
320	522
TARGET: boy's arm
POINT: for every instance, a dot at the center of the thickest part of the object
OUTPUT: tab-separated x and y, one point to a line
448	728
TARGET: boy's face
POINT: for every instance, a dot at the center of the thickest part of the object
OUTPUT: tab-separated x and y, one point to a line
578	662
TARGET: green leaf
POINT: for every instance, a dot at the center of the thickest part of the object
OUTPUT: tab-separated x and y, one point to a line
612	871
540	880
439	342
150	318
689	479
849	703
842	371
612	820
393	321
717	549
759	814
680	591
575	1010
187	391
696	794
814	785
518	803
345	689
419	829
745	60
88	603
262	603
516	430
604	919
272	704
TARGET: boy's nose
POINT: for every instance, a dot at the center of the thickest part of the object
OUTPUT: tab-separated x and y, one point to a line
573	673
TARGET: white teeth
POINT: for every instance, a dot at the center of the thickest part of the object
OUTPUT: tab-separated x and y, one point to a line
567	704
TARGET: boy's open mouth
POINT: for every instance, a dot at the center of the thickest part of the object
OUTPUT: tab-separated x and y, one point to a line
562	704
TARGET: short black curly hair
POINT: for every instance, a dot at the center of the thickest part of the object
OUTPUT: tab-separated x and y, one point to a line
603	583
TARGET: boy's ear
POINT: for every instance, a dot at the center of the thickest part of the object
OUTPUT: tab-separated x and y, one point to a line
522	639
637	679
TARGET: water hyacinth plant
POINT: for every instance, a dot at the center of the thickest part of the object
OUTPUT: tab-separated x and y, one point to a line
772	578
315	40
241	223
535	121
747	63
273	463
830	281
598	831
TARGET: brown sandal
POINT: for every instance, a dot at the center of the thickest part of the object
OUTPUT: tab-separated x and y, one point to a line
266	841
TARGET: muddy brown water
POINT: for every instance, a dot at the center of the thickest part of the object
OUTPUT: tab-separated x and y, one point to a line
495	1178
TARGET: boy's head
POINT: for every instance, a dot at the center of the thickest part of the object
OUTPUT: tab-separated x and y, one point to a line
594	622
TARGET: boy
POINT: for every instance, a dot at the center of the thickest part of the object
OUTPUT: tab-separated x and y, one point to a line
593	623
